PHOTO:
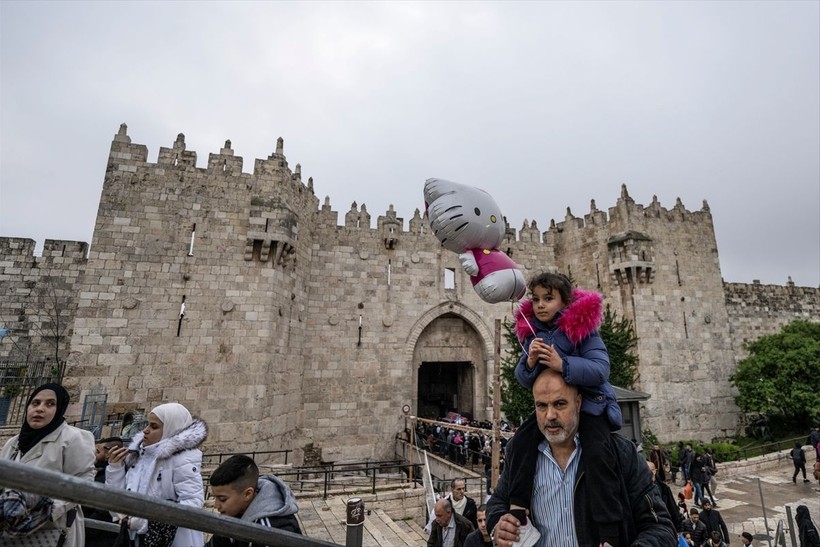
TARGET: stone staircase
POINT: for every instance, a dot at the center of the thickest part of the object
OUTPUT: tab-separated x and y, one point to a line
325	519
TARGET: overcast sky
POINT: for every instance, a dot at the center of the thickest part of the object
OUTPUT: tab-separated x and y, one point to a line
544	105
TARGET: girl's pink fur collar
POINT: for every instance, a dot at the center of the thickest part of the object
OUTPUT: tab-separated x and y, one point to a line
580	319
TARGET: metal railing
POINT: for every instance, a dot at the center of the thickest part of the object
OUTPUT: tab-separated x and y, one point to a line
358	477
753	451
42	482
18	379
254	455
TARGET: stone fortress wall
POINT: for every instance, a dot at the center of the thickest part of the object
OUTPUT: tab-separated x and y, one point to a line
756	309
300	332
39	296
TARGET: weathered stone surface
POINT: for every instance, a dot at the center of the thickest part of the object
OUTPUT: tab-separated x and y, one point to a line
299	333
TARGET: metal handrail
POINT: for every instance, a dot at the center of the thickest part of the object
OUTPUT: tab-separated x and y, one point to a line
328	475
252	455
56	485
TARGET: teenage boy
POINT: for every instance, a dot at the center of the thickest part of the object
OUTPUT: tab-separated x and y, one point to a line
240	492
480	537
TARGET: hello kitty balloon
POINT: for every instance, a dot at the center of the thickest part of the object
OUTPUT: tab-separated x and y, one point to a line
467	221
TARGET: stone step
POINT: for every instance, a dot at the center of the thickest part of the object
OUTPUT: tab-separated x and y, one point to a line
325	519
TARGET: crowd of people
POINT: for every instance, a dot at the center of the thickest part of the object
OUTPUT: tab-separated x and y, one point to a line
569	478
163	461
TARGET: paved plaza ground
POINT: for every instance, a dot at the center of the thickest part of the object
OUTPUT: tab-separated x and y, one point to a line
739	502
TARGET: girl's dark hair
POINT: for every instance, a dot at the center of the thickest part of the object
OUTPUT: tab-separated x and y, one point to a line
554	281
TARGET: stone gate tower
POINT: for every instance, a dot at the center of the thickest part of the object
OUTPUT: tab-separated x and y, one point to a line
242	297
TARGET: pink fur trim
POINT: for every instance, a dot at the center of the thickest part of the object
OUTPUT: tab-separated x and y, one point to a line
580	319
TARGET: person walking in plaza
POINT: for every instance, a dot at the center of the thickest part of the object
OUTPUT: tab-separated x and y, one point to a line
709	460
694	526
163	462
747	539
799	461
462	504
814	438
683	509
809	536
658	457
714	521
715	540
696	476
667	496
689	459
480	537
449	528
48	442
558	329
706	477
561	502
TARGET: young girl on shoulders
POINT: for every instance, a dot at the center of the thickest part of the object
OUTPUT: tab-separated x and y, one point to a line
558	329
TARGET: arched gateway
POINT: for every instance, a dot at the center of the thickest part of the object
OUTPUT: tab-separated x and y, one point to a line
450	349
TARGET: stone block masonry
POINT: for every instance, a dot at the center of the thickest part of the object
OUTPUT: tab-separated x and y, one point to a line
240	296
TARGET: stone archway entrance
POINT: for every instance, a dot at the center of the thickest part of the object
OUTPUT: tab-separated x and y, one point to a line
451	369
445	387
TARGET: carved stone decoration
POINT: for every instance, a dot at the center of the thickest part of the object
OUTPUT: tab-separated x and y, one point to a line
389	316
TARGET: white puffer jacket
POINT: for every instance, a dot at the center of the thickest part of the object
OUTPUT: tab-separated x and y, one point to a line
168	470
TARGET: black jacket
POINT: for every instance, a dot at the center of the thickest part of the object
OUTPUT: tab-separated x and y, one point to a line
671	505
809	536
650	524
698	530
463	529
476	539
714	521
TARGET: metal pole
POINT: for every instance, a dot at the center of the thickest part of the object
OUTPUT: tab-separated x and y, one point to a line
790	522
355	522
496	406
763	507
412	444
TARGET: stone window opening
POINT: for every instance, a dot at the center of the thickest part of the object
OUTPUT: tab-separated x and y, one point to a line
191	244
181	315
449	279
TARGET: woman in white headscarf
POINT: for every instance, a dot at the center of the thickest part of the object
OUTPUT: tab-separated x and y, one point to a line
163	462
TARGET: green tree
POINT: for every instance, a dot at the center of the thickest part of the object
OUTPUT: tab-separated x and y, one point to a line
620	339
781	376
516	401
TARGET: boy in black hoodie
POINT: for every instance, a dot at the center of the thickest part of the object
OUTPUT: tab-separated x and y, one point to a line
240	492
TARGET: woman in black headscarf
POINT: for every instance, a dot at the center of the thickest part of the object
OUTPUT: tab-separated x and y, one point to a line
47	441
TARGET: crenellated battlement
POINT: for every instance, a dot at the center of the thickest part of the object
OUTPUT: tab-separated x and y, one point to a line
24	248
272	174
65	249
624	217
128	165
282	321
14	248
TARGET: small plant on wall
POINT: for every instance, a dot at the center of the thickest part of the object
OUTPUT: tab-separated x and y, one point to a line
11	384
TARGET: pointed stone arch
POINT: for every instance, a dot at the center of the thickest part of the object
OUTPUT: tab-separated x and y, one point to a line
479	360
